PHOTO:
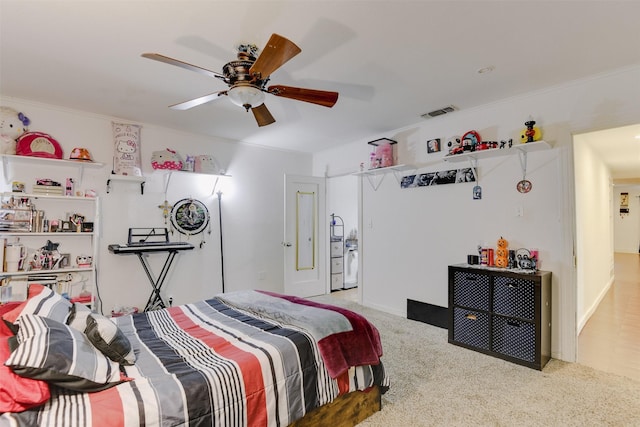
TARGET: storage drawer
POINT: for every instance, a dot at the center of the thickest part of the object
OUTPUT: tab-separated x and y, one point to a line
336	281
514	297
471	327
336	249
336	265
514	338
471	290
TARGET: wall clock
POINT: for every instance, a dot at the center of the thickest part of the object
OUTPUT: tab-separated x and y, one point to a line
189	217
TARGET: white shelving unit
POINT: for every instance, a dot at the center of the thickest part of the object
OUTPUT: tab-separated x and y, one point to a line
376	176
73	279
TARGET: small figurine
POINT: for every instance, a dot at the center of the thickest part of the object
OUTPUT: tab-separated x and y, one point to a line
531	133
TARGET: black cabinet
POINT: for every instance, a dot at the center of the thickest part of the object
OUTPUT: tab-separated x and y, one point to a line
502	313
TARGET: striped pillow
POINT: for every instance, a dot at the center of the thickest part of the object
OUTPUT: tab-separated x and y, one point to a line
78	316
42	301
52	351
109	339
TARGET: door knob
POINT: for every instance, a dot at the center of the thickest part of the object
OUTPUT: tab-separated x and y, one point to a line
286	244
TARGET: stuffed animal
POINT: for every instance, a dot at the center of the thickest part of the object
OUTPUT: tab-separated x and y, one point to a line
166	159
207	164
12	125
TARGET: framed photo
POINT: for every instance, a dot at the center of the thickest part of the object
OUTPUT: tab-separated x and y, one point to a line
408	181
433	145
65	261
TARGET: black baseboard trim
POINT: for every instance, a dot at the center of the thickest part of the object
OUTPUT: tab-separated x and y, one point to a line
428	313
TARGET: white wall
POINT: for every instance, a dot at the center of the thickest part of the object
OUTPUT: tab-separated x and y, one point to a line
594	230
411	235
252	207
626	228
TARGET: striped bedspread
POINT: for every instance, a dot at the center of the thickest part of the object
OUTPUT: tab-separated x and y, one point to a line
209	363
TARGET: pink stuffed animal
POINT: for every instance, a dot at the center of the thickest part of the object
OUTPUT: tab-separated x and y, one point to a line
166	159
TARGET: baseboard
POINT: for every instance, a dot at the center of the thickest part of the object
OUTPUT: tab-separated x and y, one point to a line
428	313
592	309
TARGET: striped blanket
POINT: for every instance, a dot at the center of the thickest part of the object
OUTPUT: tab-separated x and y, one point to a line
211	363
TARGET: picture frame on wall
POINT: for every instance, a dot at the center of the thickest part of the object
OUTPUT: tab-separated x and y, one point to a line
433	145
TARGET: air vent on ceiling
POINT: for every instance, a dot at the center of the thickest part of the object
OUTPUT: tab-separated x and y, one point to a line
439	112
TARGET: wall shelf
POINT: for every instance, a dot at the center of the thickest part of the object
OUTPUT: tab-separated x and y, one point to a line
126	178
520	149
8	159
376	176
497	152
168	173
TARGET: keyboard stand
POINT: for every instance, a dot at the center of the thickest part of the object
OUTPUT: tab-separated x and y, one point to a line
155	300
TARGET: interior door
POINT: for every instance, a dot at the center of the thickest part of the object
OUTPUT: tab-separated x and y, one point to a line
304	236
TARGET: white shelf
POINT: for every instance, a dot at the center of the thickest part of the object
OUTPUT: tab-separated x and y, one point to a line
43	161
390	169
497	152
126	178
168	173
46	272
376	176
48	234
47	196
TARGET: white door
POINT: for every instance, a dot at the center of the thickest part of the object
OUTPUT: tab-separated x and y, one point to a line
304	236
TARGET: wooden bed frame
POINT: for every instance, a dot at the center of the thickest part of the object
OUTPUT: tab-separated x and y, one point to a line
345	411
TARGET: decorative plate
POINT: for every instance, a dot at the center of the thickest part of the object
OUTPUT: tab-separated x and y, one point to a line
524	186
189	216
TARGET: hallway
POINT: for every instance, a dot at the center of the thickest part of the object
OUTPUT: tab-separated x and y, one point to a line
610	341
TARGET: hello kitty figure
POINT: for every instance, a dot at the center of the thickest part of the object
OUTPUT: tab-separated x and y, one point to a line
166	159
12	125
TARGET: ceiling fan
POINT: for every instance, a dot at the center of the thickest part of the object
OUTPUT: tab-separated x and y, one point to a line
247	79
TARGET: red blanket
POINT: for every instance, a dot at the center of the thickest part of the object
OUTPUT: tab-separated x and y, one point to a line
360	346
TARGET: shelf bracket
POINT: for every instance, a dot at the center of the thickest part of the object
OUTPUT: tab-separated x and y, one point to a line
522	155
166	181
109	186
375	181
215	184
473	163
5	166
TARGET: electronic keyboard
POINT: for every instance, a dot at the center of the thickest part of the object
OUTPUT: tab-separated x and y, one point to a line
149	247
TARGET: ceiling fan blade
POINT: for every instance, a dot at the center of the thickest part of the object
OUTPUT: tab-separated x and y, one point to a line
277	51
198	101
320	97
262	115
182	64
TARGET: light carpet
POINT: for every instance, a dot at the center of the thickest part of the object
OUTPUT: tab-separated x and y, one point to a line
434	383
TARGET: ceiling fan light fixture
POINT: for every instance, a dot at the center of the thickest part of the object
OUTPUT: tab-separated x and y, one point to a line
246	96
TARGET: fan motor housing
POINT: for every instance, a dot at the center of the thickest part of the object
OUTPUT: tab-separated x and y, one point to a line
238	71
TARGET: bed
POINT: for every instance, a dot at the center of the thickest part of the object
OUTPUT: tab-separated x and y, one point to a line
247	358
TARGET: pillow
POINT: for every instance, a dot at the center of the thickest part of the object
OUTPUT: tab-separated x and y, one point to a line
16	393
42	301
109	339
5	308
78	316
52	351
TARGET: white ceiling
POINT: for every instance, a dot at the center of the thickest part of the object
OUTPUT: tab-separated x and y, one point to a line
391	61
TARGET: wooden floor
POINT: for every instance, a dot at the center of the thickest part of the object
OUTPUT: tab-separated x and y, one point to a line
610	341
